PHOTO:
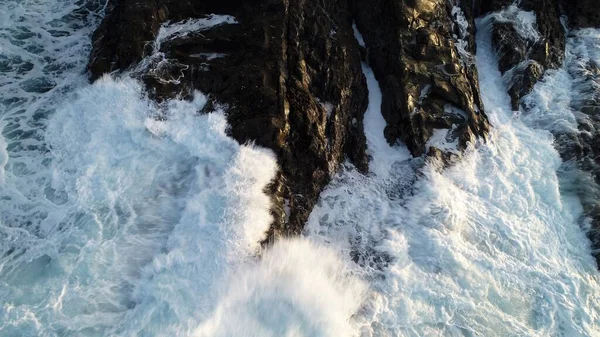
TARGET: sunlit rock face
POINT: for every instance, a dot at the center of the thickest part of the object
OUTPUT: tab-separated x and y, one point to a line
421	53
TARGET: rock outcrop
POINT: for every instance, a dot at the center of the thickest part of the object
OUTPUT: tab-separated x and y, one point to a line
525	53
421	54
289	76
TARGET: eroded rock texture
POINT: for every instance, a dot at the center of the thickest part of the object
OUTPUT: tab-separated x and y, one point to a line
425	81
288	74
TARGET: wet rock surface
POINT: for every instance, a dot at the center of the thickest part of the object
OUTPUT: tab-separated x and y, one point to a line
288	74
412	48
524	55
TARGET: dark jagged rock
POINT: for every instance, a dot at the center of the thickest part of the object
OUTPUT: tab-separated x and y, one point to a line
289	77
288	73
512	48
549	51
420	71
115	50
525	76
524	59
583	13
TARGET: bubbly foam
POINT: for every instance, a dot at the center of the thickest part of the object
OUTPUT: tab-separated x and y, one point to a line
127	218
554	102
489	247
173	30
297	289
120	217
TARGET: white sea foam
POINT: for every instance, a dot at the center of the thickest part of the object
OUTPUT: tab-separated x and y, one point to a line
461	39
551	104
524	22
358	36
154	206
116	223
383	155
297	289
3	158
134	219
488	247
173	30
440	139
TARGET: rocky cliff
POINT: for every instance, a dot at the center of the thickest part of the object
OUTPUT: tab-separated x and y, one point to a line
289	74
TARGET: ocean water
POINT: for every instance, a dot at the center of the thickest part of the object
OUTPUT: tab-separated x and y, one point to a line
116	223
492	246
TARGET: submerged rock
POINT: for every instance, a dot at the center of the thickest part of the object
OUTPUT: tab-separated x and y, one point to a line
288	74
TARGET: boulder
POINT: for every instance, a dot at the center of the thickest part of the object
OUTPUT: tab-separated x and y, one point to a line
524	59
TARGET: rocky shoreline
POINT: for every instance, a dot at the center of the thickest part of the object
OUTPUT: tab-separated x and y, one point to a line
289	76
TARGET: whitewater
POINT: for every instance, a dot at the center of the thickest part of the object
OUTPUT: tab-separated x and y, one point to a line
123	217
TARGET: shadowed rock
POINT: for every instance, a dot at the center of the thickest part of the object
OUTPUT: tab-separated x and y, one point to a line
524	59
582	13
288	74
